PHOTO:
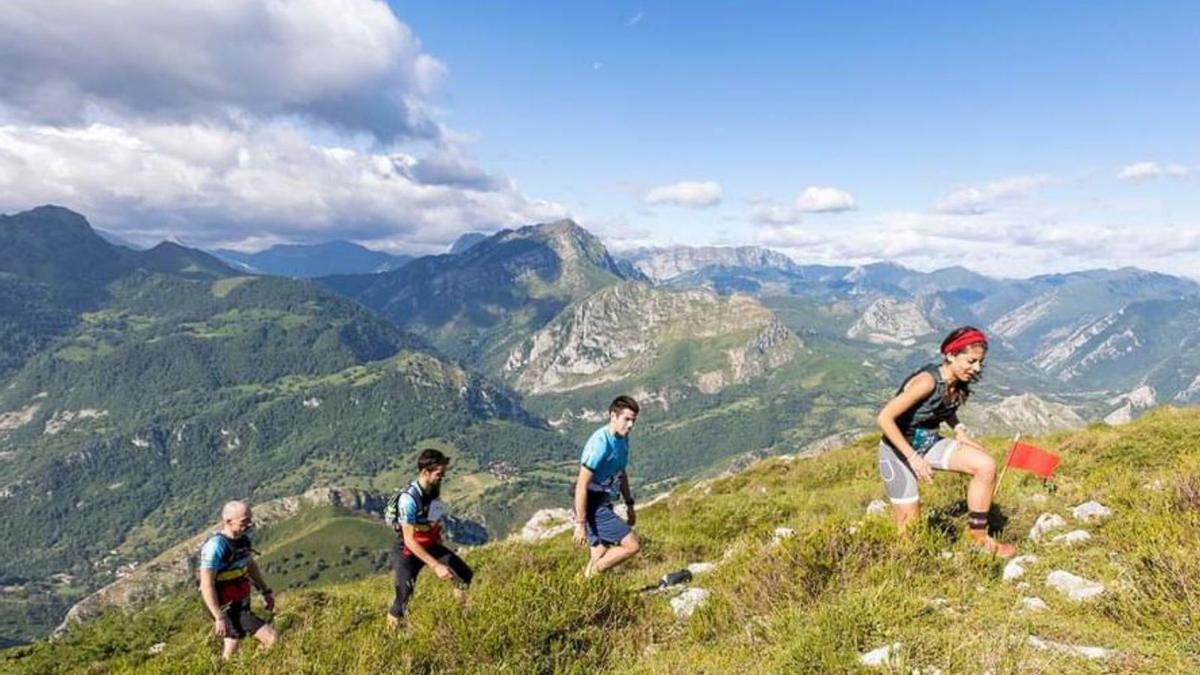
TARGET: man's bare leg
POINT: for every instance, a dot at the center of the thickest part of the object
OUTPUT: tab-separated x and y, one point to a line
615	555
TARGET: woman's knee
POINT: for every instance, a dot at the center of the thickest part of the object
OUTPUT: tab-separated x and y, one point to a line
985	467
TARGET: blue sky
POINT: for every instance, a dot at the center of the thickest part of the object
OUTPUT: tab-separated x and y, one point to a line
1014	138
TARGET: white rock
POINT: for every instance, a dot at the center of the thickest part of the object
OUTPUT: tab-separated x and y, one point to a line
947	555
1088	511
1158	484
1076	588
701	567
1072	537
877	507
782	533
1038	498
688	601
1045	523
887	655
547	523
1097	653
157	648
1016	567
1034	604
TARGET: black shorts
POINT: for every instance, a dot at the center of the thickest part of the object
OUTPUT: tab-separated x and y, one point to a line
405	568
242	621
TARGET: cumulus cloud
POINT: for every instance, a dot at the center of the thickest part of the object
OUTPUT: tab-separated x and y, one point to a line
816	199
694	194
239	122
974	200
216	185
1001	243
1139	171
350	64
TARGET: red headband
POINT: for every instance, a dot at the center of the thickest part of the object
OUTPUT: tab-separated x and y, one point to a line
971	337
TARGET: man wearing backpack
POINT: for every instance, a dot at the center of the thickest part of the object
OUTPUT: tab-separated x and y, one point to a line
415	513
227	570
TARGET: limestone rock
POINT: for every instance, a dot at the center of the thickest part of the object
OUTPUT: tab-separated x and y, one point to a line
1074	587
1089	511
1034	604
877	507
1045	523
885	656
1096	653
688	602
1072	537
1016	567
701	567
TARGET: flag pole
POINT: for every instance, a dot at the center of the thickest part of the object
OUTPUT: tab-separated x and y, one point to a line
1007	459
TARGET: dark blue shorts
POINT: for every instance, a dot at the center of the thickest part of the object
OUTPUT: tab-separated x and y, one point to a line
603	525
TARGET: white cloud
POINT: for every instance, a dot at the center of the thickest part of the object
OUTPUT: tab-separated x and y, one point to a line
816	199
350	64
973	200
635	19
239	122
1002	243
695	194
1139	171
213	185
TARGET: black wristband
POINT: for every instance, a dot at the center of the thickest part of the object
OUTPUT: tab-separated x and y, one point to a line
629	502
266	591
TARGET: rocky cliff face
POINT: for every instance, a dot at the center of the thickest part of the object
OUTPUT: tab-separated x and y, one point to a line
662	264
891	321
624	331
1024	413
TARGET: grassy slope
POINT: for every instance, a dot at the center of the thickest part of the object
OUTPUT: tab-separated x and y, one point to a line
843	585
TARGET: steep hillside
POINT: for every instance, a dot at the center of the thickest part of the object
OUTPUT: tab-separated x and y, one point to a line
629	332
802	578
175	385
475	305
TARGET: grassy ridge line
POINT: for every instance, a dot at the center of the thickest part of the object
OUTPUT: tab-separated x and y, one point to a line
843	585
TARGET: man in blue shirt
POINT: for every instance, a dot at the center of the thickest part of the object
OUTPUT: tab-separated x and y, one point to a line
602	474
227	571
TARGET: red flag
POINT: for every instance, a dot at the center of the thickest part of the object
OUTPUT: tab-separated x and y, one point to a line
1034	459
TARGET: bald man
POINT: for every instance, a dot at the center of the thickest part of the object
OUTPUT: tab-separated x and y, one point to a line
227	569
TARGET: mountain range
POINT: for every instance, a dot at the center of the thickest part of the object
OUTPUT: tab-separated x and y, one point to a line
145	387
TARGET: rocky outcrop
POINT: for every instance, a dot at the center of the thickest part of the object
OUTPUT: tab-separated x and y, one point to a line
664	264
1026	413
624	330
1141	398
890	321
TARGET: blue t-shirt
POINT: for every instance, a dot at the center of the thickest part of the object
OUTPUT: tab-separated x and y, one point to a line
409	512
215	550
606	454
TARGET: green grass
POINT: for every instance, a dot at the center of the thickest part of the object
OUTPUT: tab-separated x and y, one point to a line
843	585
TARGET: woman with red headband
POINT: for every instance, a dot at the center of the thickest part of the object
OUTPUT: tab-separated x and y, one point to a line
911	447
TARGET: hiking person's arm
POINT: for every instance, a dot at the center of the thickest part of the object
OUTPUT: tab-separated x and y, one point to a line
917	390
261	584
419	550
962	434
208	591
581	488
630	514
